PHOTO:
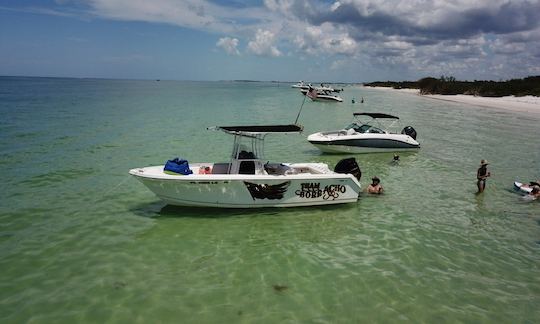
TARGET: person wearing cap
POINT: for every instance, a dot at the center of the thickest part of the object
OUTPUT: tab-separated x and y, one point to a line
375	186
481	175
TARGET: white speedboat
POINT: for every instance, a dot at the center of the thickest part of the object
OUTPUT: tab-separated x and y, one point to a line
318	94
374	135
328	88
246	181
301	85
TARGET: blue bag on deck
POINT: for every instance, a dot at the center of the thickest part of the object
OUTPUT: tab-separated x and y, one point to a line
177	165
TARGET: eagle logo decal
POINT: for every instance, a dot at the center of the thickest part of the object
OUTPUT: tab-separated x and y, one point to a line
264	191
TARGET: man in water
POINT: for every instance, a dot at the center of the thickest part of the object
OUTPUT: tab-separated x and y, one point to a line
481	175
375	186
395	160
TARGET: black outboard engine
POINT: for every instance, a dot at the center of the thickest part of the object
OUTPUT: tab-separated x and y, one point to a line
408	130
349	165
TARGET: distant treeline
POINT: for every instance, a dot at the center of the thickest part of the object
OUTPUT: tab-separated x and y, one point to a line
450	86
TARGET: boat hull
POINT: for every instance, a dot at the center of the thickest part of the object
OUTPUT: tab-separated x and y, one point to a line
343	149
365	143
251	191
327	99
323	97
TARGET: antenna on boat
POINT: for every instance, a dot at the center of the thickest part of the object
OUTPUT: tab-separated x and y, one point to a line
299	111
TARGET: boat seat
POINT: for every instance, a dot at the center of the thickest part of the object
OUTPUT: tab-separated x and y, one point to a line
246	167
375	130
220	168
245	155
276	169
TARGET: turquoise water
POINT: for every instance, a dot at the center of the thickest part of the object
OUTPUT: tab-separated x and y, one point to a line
81	241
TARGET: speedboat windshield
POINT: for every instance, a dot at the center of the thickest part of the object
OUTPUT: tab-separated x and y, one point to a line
385	123
364	128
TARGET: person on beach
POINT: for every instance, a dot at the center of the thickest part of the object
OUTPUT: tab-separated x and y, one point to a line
375	186
481	175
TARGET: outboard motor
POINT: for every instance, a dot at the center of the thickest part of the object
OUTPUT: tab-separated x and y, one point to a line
409	130
349	165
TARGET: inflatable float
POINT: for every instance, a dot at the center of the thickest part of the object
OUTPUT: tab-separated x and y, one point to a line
522	187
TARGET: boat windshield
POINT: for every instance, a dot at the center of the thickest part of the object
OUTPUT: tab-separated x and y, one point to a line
364	128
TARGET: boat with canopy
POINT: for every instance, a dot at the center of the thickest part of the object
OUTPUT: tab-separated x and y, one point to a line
379	133
247	180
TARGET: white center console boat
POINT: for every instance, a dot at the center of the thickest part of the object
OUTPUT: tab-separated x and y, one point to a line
247	181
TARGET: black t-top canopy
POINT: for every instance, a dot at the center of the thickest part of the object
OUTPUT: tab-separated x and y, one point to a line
293	128
376	115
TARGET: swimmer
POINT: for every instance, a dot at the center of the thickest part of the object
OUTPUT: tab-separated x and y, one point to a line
375	186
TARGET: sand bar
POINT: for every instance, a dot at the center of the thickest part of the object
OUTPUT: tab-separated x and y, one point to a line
526	104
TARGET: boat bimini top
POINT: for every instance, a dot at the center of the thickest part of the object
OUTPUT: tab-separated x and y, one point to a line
259	129
248	147
376	115
374	125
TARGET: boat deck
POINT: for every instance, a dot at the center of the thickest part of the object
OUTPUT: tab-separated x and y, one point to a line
220	170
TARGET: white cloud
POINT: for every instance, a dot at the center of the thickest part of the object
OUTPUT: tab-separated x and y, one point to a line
414	34
336	65
229	45
196	14
263	44
325	39
335	6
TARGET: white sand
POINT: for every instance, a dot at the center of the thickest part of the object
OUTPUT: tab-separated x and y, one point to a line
526	104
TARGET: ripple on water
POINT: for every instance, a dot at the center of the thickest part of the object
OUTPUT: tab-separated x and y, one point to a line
82	241
57	177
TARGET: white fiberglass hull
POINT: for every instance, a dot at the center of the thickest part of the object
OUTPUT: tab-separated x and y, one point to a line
249	191
335	142
327	98
323	97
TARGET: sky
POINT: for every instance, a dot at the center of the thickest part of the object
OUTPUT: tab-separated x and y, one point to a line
271	40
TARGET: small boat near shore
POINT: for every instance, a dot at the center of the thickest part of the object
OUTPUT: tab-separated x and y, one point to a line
306	86
301	85
316	94
246	181
370	136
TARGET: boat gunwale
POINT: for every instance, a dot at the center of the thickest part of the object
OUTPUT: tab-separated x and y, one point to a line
237	177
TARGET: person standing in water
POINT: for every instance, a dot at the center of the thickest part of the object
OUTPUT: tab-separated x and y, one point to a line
375	186
481	175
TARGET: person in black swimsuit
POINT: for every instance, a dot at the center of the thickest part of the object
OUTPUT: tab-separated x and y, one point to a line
481	175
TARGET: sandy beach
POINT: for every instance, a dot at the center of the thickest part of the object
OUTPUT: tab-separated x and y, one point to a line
526	104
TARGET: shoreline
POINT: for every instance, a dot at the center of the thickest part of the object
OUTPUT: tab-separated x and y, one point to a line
525	104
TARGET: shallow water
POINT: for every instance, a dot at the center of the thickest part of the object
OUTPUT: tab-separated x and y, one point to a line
81	241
